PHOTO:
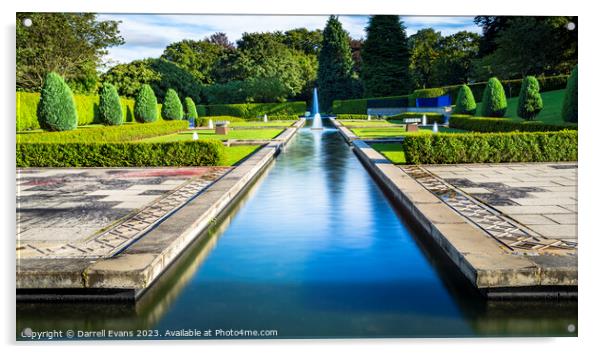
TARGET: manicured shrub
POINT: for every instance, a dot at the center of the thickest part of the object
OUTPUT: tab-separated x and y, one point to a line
569	105
529	99
429	92
145	108
491	125
430	116
354	116
56	110
447	148
358	106
182	153
121	133
201	110
172	106
109	106
494	99
252	110
27	107
190	108
465	103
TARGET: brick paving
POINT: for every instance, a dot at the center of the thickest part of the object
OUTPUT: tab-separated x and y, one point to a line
96	212
528	206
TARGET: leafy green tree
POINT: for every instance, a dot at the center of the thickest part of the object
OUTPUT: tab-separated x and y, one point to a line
109	106
385	57
465	103
129	78
454	60
494	99
570	102
70	44
172	106
424	53
334	65
196	57
529	99
304	40
253	90
145	107
56	110
491	25
191	112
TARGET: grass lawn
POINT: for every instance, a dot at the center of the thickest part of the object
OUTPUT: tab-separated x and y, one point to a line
369	123
395	131
392	151
250	134
238	152
275	123
550	114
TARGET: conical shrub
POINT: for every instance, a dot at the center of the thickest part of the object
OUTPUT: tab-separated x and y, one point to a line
172	106
190	109
529	99
109	106
56	110
145	107
465	103
494	99
569	104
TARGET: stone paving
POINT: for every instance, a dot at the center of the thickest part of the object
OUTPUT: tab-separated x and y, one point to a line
529	206
96	212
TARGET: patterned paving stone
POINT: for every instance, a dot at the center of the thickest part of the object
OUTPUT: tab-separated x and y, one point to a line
514	213
95	213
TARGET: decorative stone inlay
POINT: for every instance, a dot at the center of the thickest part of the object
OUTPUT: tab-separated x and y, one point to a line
108	243
510	234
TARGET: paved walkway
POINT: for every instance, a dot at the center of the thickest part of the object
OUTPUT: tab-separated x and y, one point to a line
96	212
528	206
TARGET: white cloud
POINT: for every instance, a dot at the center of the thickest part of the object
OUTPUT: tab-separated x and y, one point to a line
147	35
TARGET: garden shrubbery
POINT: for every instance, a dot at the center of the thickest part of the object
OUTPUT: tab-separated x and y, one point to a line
56	110
172	107
145	108
431	117
529	99
494	99
486	124
445	148
109	106
253	110
465	103
569	105
358	106
191	112
120	133
86	154
354	116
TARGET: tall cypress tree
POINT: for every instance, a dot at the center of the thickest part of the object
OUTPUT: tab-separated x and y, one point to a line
385	57
334	65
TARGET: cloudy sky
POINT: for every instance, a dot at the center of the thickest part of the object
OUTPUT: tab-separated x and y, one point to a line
147	35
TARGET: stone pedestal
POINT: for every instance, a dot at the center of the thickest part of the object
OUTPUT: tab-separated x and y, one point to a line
412	127
221	130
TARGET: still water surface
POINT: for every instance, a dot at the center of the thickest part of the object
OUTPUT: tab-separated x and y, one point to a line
314	249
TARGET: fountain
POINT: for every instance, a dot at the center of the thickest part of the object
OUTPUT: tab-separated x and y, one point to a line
369	118
315	111
210	124
424	119
435	128
195	136
265	118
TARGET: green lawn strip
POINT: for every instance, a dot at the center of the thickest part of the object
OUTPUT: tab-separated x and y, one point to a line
370	123
279	123
243	134
233	154
550	114
392	151
396	131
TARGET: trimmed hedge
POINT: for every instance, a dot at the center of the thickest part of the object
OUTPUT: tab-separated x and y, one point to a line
465	103
430	117
361	105
429	93
56	110
570	101
172	106
253	110
87	110
487	125
355	116
494	99
145	108
446	148
109	106
529	99
120	133
181	153
191	112
276	117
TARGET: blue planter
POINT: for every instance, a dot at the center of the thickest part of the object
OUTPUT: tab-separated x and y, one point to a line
440	101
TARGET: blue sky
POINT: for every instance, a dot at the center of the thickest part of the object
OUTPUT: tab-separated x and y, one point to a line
147	35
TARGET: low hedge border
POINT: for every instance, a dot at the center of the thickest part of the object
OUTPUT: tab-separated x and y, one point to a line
489	125
355	116
445	148
430	117
116	134
182	153
252	110
86	106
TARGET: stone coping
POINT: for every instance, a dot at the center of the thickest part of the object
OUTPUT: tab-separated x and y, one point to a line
486	263
139	265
